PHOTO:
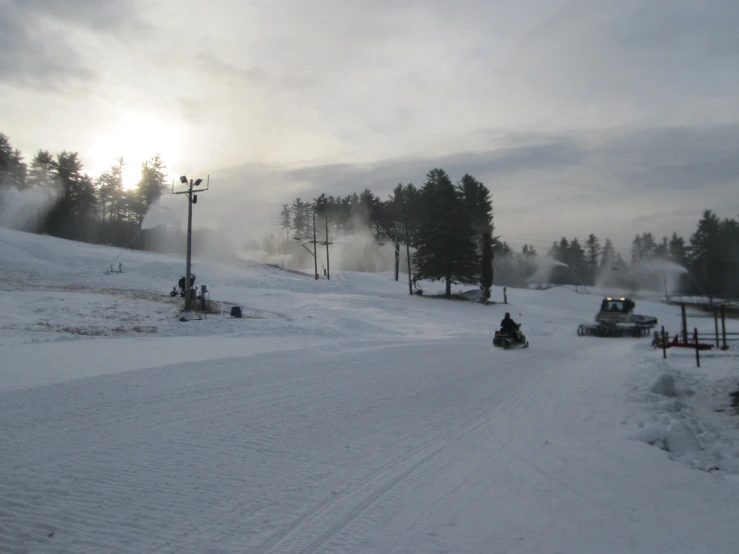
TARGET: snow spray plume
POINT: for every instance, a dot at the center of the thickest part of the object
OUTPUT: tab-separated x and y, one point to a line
165	227
544	268
658	274
354	250
359	250
26	209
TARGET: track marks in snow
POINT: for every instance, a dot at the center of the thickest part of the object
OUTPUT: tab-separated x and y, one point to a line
335	526
241	453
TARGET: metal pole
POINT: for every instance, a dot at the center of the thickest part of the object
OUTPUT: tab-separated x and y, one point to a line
328	266
723	326
685	323
315	257
397	260
697	350
408	255
188	300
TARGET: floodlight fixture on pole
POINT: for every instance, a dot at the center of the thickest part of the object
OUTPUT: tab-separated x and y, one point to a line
191	199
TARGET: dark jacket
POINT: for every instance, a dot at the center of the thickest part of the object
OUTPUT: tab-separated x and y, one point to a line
508	325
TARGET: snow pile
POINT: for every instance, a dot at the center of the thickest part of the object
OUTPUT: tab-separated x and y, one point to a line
688	411
665	386
677	438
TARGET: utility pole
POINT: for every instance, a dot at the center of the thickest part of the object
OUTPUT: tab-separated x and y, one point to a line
188	284
191	199
315	257
328	265
408	255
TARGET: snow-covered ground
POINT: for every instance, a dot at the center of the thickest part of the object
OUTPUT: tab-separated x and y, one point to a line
343	416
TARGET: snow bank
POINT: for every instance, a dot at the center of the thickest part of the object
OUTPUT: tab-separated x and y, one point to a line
686	411
665	386
680	439
676	438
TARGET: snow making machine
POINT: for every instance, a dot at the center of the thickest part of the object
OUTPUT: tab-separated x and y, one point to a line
616	318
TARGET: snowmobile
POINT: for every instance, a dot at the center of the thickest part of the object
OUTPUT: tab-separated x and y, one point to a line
616	318
506	340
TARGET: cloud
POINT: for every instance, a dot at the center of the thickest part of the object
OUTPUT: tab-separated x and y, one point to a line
640	62
41	40
614	183
580	115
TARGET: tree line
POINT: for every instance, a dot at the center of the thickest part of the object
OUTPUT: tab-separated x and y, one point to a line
450	226
451	230
81	207
710	255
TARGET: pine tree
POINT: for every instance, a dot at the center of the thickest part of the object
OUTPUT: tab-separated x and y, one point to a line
649	245
368	206
299	218
563	251
576	259
152	184
637	249
477	203
41	172
116	183
501	248
320	204
285	218
528	251
77	195
486	273
396	204
554	251
12	167
445	250
708	253
592	247
608	255
662	250
678	252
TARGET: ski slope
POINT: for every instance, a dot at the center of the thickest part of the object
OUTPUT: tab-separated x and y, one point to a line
341	416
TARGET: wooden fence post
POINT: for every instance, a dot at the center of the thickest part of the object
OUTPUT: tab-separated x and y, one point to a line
715	323
697	350
723	326
664	343
685	322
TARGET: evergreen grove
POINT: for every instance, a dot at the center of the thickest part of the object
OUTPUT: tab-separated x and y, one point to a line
451	230
83	208
450	226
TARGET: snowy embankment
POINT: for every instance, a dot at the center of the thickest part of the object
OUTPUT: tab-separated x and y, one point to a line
342	416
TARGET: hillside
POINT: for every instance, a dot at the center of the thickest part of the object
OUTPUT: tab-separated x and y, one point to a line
342	416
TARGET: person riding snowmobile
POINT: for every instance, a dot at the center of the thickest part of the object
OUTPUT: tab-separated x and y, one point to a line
507	325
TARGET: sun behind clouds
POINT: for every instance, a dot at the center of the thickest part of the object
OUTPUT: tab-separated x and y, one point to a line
137	137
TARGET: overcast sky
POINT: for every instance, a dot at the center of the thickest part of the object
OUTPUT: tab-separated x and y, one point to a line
581	116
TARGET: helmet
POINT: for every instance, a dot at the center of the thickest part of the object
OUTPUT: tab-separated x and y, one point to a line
507	315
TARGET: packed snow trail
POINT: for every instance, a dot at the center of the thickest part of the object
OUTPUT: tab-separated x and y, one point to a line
448	446
340	416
